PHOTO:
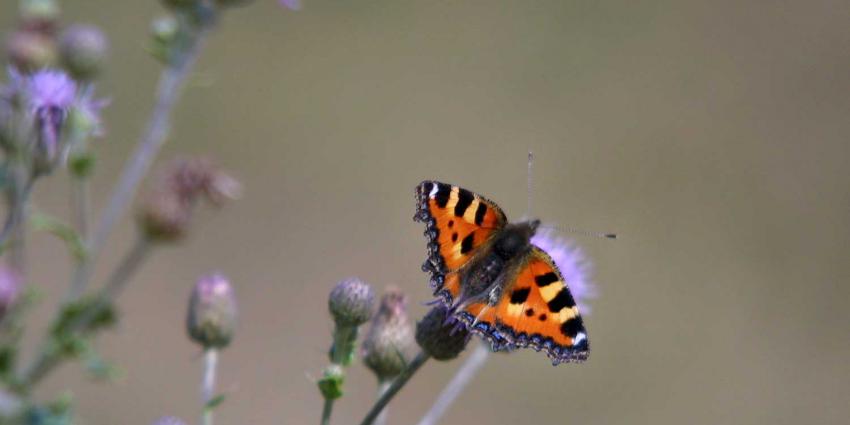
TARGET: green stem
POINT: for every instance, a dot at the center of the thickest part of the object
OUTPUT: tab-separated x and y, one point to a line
208	384
327	409
396	386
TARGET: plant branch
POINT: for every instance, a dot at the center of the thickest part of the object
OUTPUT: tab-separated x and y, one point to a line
395	387
462	378
171	83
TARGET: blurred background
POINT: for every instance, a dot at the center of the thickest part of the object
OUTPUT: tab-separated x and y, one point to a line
713	136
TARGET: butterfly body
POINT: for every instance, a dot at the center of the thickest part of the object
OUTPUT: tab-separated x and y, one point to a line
493	278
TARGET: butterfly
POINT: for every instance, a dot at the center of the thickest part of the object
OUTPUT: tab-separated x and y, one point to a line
493	279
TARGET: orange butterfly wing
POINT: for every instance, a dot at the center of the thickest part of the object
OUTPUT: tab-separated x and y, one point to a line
536	310
458	224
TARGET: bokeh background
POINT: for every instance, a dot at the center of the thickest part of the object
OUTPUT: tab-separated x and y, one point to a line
713	136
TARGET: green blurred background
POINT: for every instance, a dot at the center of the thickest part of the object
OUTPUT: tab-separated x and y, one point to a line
713	136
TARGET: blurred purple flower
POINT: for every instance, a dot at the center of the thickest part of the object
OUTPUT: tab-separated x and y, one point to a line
10	287
87	111
50	89
573	264
290	4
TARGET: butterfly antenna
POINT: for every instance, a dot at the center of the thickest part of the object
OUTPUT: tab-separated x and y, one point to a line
528	177
602	235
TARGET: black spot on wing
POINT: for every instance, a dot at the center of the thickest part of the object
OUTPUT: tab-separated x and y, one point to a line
518	296
466	243
529	312
464	199
454	237
563	299
442	195
479	213
572	327
546	279
542	317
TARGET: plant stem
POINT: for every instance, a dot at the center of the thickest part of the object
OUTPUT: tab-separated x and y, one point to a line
171	83
462	378
383	386
117	281
208	385
394	388
81	206
327	409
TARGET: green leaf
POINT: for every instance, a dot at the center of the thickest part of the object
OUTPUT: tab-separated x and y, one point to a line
215	402
72	239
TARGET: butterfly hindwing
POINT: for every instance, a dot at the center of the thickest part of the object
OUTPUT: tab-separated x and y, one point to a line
459	222
536	310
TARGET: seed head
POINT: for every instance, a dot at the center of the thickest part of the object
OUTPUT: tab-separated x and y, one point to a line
212	312
390	337
351	302
440	336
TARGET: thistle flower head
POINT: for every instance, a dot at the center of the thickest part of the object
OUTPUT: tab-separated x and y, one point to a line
573	264
50	89
351	302
10	288
390	337
168	420
83	50
211	318
439	336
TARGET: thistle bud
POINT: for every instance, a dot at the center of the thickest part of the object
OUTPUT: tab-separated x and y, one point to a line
351	302
39	15
168	420
30	51
389	338
10	287
164	29
212	312
442	339
83	50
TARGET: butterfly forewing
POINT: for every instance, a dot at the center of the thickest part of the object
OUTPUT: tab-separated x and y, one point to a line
459	222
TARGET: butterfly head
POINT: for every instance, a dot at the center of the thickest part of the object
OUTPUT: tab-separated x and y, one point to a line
516	238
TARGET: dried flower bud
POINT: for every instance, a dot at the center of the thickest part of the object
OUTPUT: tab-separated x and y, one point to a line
83	50
164	217
351	302
30	51
440	335
10	288
212	312
389	338
168	420
165	213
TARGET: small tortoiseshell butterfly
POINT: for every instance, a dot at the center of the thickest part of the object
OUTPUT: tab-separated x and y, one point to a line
493	278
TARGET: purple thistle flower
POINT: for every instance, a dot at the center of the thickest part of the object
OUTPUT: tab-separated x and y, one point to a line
87	111
50	89
573	264
290	4
10	287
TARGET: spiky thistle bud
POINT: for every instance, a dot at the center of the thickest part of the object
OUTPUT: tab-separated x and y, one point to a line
441	335
390	337
351	302
211	319
168	420
83	50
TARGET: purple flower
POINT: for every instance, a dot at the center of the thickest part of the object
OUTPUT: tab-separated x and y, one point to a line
49	89
290	4
86	112
572	263
10	286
